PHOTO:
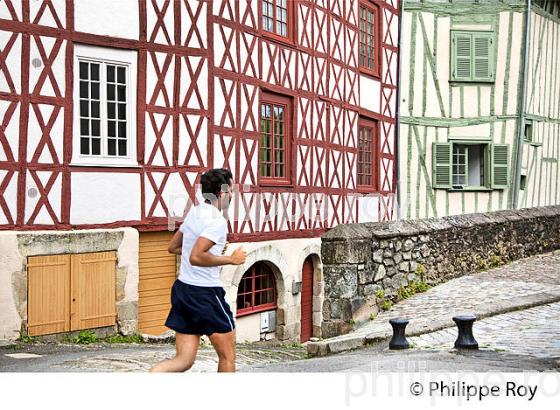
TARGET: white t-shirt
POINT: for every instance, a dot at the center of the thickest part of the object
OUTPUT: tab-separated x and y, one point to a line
202	220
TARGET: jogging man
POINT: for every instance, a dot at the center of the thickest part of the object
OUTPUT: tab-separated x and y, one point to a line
198	306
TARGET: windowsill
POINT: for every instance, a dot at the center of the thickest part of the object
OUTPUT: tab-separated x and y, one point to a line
369	73
471	189
471	82
534	144
105	165
278	38
273	185
257	309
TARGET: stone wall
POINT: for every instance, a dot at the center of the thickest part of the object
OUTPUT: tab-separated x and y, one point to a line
360	259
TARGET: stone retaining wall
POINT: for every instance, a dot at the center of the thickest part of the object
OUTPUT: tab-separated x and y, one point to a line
361	259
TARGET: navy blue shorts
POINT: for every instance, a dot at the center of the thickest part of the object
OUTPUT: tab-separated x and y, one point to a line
199	310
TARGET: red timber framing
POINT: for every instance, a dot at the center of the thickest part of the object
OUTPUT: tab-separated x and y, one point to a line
210	61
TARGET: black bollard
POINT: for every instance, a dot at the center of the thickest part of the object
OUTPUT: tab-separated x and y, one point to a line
465	338
398	341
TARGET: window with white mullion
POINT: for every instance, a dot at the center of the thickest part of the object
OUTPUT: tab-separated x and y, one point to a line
90	108
103	109
116	110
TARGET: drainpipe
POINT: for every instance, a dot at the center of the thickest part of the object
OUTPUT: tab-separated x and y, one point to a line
398	126
521	129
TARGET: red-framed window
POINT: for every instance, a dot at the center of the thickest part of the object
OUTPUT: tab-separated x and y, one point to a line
277	18
368	154
257	290
370	34
276	131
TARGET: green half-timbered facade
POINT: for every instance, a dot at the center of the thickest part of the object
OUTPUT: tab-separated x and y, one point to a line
479	108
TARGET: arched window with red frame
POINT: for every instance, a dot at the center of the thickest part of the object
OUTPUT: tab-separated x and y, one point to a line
257	290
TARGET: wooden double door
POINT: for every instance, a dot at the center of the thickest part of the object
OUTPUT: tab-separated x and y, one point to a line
70	292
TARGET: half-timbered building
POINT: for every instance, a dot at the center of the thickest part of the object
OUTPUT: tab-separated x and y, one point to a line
478	106
110	111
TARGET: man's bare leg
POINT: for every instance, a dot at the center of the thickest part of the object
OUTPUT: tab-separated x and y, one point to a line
224	344
186	348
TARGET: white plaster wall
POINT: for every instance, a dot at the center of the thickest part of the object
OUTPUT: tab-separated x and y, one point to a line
127	256
247	328
10	262
58	67
10	196
13	59
107	17
370	90
470	131
104	197
33	197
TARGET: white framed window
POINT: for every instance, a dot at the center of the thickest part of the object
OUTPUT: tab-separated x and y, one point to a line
104	106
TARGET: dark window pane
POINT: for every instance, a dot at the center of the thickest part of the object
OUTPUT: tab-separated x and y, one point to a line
84	108
112	147
111	110
96	146
95	109
122	147
112	129
94	71
122	111
122	129
84	71
84	146
120	75
121	92
84	127
111	92
95	128
111	73
84	89
95	91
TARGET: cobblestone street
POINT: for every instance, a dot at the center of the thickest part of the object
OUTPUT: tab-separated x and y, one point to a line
534	332
522	284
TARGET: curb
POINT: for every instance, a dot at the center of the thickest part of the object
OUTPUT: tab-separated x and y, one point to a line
339	344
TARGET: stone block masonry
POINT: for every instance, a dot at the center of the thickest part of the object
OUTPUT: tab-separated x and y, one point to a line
362	259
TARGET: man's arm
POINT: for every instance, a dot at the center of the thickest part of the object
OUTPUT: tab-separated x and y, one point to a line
176	243
201	256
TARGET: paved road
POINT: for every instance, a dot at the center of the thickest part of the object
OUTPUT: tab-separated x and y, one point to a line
512	342
131	357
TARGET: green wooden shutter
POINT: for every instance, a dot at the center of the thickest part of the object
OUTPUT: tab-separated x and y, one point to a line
499	165
483	56
461	65
441	164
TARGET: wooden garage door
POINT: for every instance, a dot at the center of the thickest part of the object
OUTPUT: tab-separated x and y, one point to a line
70	292
306	300
158	270
48	294
93	290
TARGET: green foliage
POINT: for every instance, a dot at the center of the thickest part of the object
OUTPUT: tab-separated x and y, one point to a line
85	337
372	316
26	339
379	294
495	261
351	321
124	339
386	304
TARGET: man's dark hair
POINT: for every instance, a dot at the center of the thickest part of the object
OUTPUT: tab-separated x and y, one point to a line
213	180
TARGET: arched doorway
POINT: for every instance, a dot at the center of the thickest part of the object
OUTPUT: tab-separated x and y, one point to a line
306	300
